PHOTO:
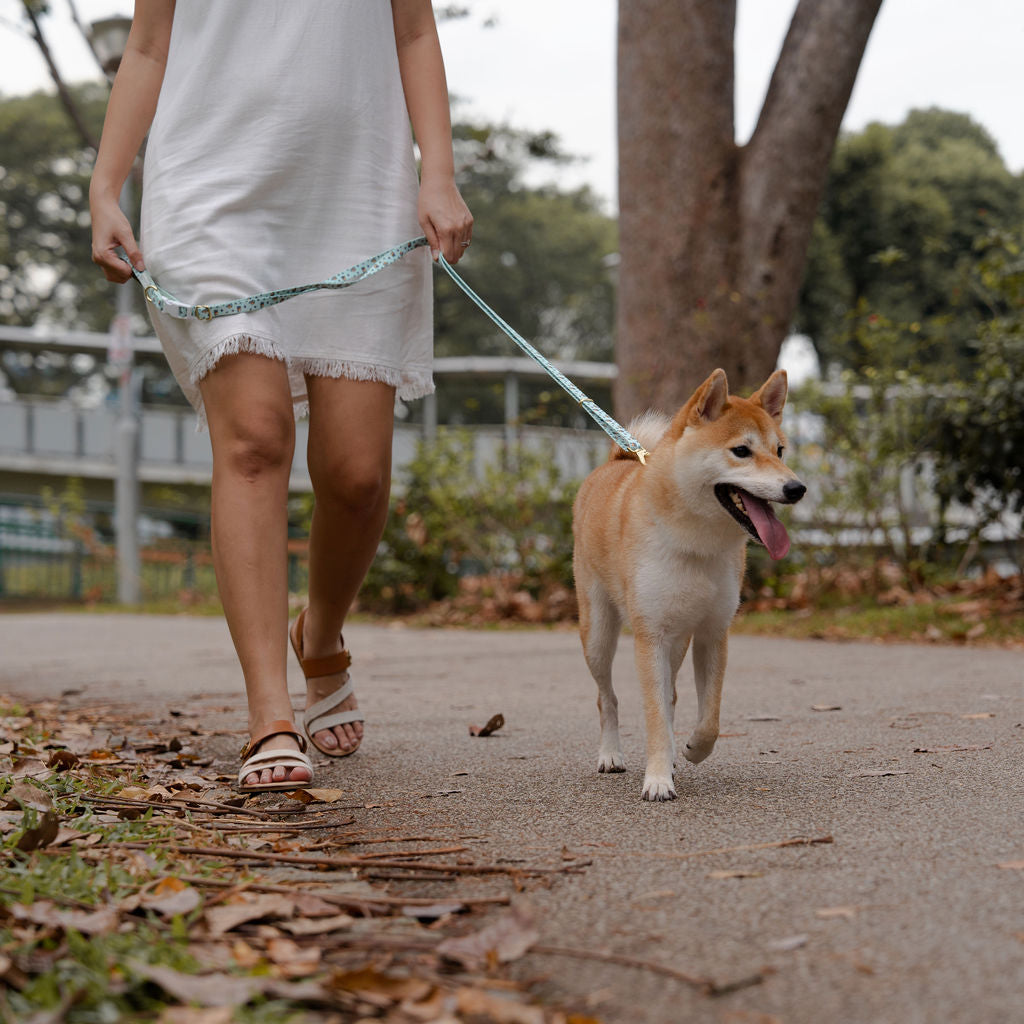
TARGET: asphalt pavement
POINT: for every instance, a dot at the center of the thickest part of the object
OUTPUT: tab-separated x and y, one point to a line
908	758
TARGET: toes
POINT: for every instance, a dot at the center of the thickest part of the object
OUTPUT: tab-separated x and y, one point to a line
326	738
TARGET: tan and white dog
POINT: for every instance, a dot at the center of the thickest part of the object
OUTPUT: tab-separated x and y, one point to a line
664	546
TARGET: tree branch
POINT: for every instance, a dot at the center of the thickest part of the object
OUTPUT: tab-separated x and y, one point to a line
66	99
786	160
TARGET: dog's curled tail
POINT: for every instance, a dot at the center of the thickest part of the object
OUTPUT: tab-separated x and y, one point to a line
648	428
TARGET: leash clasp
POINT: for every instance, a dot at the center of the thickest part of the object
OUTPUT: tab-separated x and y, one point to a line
149	293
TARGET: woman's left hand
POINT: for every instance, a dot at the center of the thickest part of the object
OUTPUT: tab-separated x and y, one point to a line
444	218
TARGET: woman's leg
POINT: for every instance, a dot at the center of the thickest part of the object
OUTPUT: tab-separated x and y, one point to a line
349	458
252	430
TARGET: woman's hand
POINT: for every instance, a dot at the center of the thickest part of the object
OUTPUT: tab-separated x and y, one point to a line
110	229
444	218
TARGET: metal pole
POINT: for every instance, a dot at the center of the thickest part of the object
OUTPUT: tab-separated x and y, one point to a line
126	442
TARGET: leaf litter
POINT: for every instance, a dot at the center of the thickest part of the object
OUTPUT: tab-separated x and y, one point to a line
134	879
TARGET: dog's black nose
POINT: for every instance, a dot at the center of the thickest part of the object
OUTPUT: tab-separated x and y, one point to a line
793	491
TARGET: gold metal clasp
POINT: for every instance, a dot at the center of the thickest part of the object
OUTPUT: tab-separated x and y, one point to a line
149	298
203	313
641	454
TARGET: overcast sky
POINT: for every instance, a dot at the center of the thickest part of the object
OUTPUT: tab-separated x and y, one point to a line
550	64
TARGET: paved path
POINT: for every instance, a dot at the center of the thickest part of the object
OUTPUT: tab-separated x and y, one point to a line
906	917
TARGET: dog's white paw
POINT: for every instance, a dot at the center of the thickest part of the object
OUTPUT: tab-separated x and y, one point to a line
698	746
612	762
658	788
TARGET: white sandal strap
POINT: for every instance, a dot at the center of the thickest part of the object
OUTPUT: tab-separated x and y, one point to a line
324	722
281	757
317	717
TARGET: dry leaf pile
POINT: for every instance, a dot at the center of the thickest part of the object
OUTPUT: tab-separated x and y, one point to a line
137	886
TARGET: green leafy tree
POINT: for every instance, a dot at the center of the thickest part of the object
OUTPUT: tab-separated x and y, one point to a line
981	433
902	208
46	274
541	257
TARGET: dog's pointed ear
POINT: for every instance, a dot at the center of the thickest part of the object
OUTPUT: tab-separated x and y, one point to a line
771	396
706	404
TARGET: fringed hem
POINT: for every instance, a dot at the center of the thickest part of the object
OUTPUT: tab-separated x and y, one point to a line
408	385
232	346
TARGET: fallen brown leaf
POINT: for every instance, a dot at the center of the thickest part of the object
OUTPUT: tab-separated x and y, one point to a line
317	925
205	989
368	981
326	796
171	897
475	1002
505	939
194	1015
494	723
294	961
24	794
40	835
88	922
248	908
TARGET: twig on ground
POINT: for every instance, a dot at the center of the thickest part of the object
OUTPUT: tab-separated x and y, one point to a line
795	841
353	862
706	985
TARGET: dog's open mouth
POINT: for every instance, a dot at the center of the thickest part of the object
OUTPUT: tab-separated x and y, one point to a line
755	515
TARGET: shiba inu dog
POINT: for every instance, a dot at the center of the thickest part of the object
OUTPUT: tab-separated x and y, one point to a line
664	546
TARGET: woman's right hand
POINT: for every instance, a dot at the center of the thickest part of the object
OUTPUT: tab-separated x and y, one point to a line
111	230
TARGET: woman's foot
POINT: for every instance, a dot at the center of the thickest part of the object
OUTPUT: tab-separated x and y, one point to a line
278	759
344	739
332	721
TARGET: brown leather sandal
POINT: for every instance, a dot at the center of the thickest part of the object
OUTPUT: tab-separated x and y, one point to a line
256	760
322	715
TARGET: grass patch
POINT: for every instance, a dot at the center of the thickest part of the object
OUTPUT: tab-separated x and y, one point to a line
939	621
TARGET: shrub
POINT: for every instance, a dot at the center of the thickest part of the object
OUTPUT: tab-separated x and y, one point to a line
448	521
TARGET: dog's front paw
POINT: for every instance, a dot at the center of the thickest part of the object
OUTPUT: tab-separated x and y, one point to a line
699	745
611	762
658	787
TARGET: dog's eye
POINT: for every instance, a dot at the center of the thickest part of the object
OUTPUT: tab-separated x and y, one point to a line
741	451
780	451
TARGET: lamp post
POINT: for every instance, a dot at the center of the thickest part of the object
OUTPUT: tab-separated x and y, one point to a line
108	38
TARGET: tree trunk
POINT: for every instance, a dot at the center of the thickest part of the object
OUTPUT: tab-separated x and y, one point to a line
713	236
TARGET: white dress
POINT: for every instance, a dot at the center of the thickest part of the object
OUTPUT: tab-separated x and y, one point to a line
280	154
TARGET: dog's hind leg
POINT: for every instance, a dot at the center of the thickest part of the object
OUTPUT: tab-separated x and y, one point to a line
677	654
600	624
709	657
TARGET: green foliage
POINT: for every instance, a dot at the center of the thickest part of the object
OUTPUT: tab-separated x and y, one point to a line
902	208
981	434
46	274
867	466
447	520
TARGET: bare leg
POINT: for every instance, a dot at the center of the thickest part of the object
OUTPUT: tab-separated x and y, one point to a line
252	430
349	456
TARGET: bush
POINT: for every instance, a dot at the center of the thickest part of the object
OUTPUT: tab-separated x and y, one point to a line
448	521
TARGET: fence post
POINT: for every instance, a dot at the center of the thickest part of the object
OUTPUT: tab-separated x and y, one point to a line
76	570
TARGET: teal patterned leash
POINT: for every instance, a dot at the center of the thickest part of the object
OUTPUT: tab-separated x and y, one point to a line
167	303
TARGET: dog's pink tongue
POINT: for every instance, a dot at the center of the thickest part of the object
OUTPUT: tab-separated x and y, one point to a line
772	533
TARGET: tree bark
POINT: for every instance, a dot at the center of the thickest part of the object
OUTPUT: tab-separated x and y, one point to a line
713	236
